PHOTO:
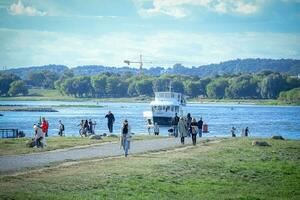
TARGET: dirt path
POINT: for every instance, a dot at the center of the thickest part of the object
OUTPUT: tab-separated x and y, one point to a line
20	162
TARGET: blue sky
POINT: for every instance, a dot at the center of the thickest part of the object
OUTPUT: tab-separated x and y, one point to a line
106	32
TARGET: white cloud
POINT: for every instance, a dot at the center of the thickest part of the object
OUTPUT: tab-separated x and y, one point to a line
24	48
182	8
19	9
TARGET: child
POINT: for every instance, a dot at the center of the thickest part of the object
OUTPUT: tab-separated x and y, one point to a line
156	129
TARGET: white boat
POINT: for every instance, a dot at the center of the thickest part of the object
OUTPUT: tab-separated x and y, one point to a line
164	107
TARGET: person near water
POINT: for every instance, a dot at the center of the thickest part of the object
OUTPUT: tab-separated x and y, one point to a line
125	137
38	136
110	121
156	129
194	130
91	126
61	128
182	129
247	132
189	121
233	131
200	124
45	127
175	121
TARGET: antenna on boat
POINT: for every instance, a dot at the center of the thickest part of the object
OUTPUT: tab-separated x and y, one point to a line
140	62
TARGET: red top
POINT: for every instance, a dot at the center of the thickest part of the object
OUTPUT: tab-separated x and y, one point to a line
45	126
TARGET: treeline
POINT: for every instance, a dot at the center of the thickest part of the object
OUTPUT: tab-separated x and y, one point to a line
264	85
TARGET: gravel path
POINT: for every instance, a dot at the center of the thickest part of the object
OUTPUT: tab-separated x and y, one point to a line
19	162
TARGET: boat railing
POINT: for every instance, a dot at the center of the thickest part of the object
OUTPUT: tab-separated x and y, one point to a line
9	133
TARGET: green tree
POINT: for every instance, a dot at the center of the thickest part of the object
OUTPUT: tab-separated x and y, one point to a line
216	88
131	91
192	88
67	87
144	87
202	86
161	85
18	87
242	87
112	86
272	85
82	86
177	86
291	96
5	81
99	85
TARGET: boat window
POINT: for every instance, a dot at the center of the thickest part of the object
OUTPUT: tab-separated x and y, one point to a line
176	108
159	108
167	108
172	108
172	95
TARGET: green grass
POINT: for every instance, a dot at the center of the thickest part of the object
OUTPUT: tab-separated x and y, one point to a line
55	95
230	169
15	146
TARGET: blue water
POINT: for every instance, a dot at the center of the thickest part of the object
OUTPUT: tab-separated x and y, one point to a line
263	121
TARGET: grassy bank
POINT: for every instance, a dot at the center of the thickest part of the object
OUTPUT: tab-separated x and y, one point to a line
55	95
18	145
230	169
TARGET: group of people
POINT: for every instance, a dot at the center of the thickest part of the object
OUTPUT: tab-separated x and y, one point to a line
183	127
188	127
87	127
245	132
40	133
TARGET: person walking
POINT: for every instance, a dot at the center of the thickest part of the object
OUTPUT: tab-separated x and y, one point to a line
125	137
200	124
175	121
182	129
61	128
194	130
110	121
189	121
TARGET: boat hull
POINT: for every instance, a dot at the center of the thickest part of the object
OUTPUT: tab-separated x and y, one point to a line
162	121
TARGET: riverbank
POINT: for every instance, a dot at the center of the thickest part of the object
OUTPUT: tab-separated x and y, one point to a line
54	95
17	146
229	169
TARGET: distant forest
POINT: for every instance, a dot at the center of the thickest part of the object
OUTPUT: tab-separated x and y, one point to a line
263	85
237	79
288	66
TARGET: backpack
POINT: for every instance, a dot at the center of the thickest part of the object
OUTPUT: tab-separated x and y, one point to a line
62	127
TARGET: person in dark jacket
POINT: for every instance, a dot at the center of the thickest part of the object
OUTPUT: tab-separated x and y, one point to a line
175	121
194	130
189	121
247	132
110	121
200	124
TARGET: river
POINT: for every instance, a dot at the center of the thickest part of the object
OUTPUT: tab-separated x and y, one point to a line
263	121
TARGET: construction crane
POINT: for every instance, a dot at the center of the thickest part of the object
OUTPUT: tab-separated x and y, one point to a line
140	62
